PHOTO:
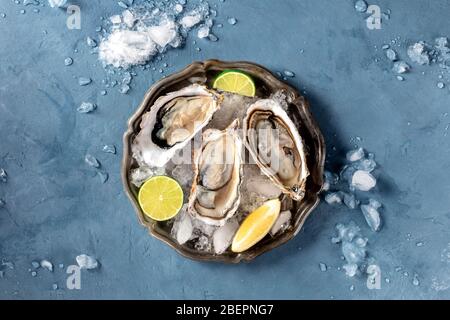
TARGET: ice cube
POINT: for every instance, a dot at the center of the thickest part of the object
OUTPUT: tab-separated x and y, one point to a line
323	267
103	176
57	3
223	236
391	54
68	61
190	20
183	174
182	229
365	165
329	180
333	198
232	21
350	269
91	42
91	161
347	172
86	107
440	85
122	4
116	19
417	53
3	175
372	215
361	6
350	200
47	265
84	81
281	223
109	148
400	67
415	280
363	180
128	18
139	175
355	155
353	253
124	89
203	31
289	73
87	262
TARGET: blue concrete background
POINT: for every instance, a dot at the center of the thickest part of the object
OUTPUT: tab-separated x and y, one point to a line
56	206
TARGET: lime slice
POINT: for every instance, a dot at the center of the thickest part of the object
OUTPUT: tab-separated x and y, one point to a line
256	226
235	81
161	198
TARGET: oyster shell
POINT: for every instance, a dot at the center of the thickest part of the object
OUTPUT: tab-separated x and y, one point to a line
172	122
215	192
276	146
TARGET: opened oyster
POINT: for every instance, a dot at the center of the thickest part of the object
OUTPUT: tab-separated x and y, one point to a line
172	122
215	192
276	146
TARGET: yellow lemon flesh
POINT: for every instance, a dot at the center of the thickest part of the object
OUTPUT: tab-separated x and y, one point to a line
161	198
256	226
235	81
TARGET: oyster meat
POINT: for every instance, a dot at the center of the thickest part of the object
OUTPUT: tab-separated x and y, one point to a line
215	192
172	122
276	146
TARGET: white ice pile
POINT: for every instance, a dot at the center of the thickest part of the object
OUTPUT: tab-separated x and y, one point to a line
356	175
353	248
142	31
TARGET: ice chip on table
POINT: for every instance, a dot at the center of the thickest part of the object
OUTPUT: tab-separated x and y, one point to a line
47	265
353	253
7	264
91	42
440	85
350	200
418	54
109	148
182	229
87	262
283	221
323	267
122	4
191	19
178	8
333	198
35	264
391	54
350	269
347	172
91	161
3	175
363	180
365	165
103	176
371	214
139	175
232	21
203	31
68	61
86	107
415	280
361	6
84	81
400	67
57	3
124	89
355	155
223	236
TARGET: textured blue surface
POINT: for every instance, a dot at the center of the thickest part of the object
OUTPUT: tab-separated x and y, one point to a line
56	207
